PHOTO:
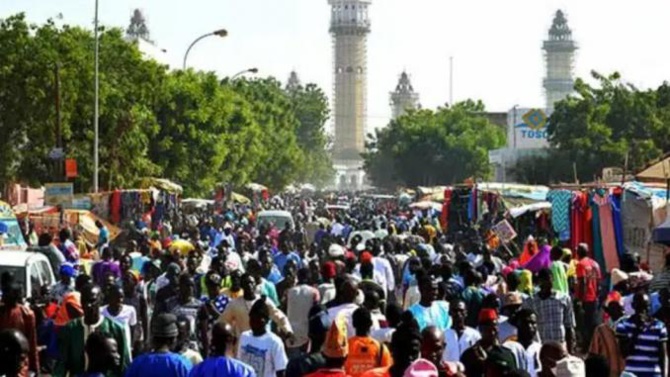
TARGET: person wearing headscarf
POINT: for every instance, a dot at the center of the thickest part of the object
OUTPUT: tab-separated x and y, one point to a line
526	282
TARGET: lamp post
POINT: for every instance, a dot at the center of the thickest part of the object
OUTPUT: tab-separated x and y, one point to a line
96	107
238	74
219	33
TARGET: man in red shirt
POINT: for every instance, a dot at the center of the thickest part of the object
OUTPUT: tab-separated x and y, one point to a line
586	293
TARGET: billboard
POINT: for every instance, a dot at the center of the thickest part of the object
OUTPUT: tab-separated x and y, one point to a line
527	128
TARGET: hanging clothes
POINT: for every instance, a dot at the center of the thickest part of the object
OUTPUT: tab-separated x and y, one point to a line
444	216
576	229
581	226
597	250
560	212
615	202
115	206
607	235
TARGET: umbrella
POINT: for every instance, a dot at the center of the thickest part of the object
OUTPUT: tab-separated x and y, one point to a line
184	247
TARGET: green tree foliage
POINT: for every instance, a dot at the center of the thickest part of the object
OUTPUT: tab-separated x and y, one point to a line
427	147
28	96
602	124
310	106
185	126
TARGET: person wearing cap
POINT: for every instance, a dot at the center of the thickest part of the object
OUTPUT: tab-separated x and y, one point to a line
222	361
65	284
327	289
643	340
499	363
72	337
261	349
428	311
604	341
571	366
554	310
474	358
526	348
459	337
161	361
335	351
511	304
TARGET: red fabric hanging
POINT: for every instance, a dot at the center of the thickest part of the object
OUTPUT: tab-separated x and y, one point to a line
115	207
444	216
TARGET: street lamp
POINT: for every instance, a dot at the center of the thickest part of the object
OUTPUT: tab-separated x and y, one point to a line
238	74
219	33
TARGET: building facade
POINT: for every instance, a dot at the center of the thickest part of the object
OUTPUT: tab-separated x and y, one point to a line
559	52
404	97
349	27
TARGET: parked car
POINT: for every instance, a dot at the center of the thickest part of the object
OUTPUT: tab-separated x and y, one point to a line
30	269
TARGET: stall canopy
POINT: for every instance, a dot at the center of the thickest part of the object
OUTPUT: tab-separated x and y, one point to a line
78	220
657	171
162	184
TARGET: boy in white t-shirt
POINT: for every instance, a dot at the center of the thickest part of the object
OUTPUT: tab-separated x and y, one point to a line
125	315
262	350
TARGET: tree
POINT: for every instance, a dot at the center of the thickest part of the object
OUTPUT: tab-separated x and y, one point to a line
603	124
310	105
138	27
127	87
426	147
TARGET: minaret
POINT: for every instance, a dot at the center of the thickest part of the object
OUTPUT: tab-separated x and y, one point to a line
559	52
293	82
403	98
349	26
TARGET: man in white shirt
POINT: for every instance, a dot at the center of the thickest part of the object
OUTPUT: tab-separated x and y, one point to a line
345	297
526	349
459	337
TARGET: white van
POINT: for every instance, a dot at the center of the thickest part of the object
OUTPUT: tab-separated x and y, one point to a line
278	219
30	269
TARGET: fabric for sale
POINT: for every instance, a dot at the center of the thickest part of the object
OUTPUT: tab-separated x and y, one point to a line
609	247
560	212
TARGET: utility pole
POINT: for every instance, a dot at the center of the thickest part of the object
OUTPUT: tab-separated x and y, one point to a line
59	130
96	115
451	81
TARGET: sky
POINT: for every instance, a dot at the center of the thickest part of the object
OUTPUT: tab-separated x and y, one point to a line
496	45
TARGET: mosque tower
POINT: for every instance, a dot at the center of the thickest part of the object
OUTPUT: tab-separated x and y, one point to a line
560	53
293	82
404	97
349	26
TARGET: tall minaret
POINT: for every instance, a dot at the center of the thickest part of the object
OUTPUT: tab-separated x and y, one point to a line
293	82
559	52
403	98
349	26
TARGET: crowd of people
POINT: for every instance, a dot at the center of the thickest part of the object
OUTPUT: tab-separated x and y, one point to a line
367	292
